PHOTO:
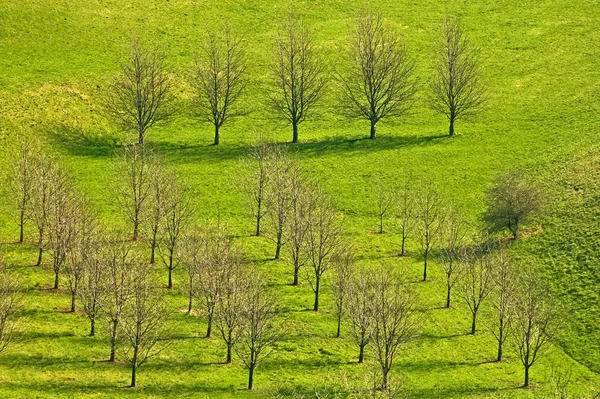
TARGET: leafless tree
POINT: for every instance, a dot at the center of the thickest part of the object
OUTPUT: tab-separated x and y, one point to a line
395	320
191	259
322	243
430	221
22	175
44	171
505	279
220	78
344	267
284	171
385	196
302	199
299	76
454	238
379	84
137	169
143	319
228	311
477	281
91	289
159	184
358	309
405	203
259	327
116	287
9	304
456	87
178	209
536	319
513	200
140	95
256	179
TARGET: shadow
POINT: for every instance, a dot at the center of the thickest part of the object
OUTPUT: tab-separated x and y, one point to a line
79	142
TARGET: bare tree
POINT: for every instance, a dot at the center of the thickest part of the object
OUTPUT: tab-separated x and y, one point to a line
9	304
158	186
477	281
454	237
141	95
505	279
44	171
178	209
430	217
385	196
513	200
144	318
299	74
358	308
380	83
456	88
259	329
344	267
405	203
191	259
284	171
256	179
116	288
322	243
535	320
302	199
91	289
395	320
137	168
220	78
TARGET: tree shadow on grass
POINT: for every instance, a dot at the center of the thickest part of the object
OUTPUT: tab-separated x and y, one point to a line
79	142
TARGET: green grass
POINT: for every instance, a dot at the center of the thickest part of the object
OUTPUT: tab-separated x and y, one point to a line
541	61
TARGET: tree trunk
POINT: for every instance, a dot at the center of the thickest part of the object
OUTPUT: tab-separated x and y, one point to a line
134	367
317	286
141	135
92	326
500	339
448	296
474	323
56	277
251	376
22	226
217	135
425	265
190	304
403	245
384	378
295	134
170	284
210	319
279	238
451	129
153	248
339	324
113	341
73	301
296	273
40	250
380	224
361	353
229	350
135	229
526	383
373	129
257	232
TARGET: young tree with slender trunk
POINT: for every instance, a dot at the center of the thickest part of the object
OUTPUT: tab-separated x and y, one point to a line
358	308
178	209
380	82
536	320
457	90
302	199
477	281
137	170
140	95
299	74
220	78
191	259
454	237
44	170
256	180
9	305
385	196
259	327
143	321
395	320
91	290
344	267
505	279
322	243
158	186
405	203
430	220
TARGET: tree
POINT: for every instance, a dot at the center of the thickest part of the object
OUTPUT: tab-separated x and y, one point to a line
138	170
91	289
358	308
140	95
322	243
395	321
256	180
9	304
405	203
259	329
505	278
158	191
178	209
344	267
44	170
385	197
116	288
220	78
429	221
380	83
456	87
535	320
512	201
454	236
477	281
191	257
144	318
299	76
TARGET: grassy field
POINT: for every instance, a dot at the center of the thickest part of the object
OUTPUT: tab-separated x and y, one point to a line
542	66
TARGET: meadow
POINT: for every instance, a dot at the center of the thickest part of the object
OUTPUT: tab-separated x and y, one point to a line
541	63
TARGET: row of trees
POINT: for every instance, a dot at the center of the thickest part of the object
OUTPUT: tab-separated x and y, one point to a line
378	83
